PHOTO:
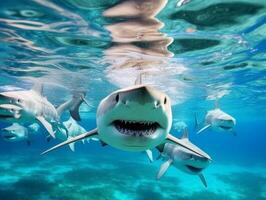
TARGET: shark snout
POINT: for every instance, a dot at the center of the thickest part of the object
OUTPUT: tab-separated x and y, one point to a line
7	134
142	95
227	123
9	110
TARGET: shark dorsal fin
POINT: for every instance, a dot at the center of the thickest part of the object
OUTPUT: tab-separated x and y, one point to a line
185	134
38	88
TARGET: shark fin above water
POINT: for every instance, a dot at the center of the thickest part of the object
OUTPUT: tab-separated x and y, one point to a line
204	128
149	154
46	125
164	168
92	133
203	180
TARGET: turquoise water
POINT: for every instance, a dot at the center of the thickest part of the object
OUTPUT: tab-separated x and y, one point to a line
199	53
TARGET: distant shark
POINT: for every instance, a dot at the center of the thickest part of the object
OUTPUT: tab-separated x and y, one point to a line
218	120
136	118
72	129
17	132
29	106
184	159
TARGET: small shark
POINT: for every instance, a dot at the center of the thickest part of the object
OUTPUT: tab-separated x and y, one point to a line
29	106
136	118
179	125
72	129
15	133
184	159
218	120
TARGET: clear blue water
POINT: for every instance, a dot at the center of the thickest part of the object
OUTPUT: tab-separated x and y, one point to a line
196	53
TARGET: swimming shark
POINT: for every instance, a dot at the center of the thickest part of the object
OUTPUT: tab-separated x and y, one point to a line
71	130
218	120
136	118
184	159
179	125
29	106
17	132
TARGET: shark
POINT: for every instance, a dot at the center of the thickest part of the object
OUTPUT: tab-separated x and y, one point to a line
136	118
72	129
184	159
17	132
218	120
29	106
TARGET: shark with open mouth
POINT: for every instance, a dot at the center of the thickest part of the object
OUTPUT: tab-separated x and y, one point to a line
136	118
184	159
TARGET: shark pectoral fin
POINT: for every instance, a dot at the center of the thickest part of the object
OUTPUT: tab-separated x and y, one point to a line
203	180
46	125
92	133
164	168
149	154
204	128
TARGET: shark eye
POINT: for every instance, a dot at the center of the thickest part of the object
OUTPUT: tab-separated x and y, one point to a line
117	98
165	100
18	100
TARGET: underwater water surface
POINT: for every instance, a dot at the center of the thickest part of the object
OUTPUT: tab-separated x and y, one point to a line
202	54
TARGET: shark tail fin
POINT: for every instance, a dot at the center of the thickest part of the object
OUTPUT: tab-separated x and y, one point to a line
73	105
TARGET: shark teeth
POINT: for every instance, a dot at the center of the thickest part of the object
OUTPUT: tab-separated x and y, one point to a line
136	128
